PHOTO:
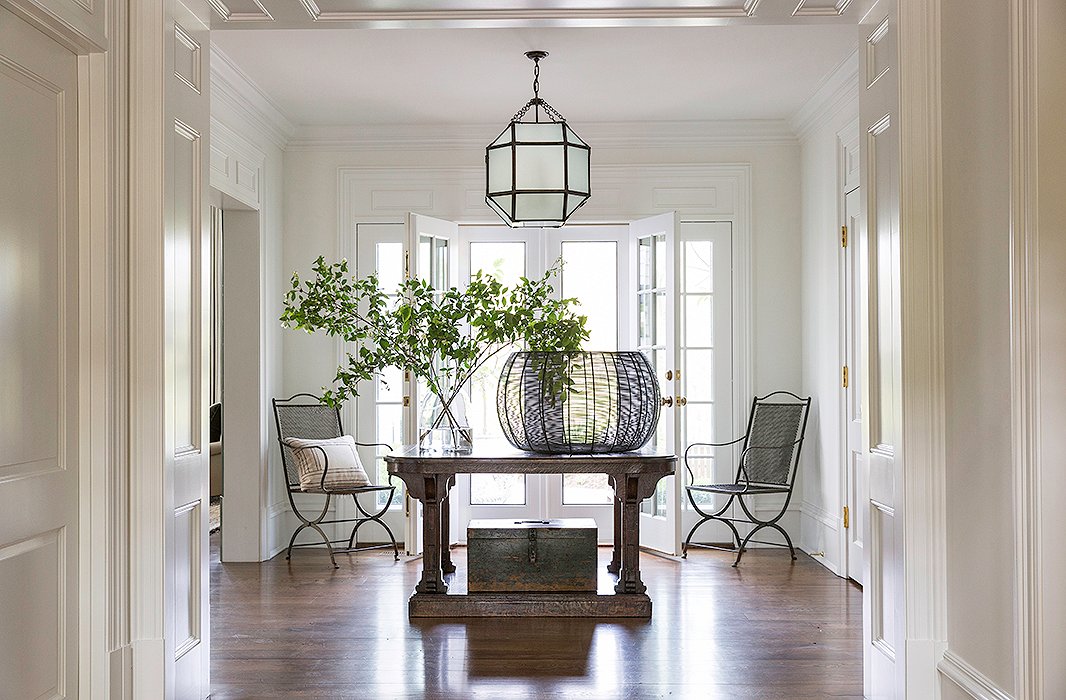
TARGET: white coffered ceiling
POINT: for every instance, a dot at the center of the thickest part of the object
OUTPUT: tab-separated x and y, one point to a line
480	76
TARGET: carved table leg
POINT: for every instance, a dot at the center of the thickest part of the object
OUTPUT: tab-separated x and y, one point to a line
446	564
616	556
628	492
432	582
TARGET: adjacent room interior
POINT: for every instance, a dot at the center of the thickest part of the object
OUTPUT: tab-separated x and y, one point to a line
724	184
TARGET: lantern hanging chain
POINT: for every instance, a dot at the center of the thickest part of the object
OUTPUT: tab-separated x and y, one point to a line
537	102
536	89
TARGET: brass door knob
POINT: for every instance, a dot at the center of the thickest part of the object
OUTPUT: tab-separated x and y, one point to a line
682	401
668	401
669	374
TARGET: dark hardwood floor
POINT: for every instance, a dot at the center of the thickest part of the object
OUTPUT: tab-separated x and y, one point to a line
769	629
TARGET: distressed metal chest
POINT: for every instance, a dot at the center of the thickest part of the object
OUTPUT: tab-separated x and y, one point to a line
531	555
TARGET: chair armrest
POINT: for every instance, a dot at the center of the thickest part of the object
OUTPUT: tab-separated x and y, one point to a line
688	468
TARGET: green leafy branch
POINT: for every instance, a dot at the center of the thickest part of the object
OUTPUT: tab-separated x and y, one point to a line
441	336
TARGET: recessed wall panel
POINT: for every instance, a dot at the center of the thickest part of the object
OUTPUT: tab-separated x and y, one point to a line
883	217
186	578
184	267
32	617
883	579
33	273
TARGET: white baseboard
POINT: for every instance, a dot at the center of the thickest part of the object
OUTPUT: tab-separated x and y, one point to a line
280	524
819	536
962	674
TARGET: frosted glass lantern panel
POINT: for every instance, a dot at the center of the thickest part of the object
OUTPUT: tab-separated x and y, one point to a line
499	170
539	207
540	168
572	137
503	202
573	202
538	132
504	137
577	169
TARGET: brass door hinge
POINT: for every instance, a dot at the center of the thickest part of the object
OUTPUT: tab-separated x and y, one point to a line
844	376
843	236
847	520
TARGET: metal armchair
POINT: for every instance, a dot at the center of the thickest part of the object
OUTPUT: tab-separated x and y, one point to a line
768	461
303	416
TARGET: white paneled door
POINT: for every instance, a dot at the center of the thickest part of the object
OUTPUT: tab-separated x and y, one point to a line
883	613
40	469
186	333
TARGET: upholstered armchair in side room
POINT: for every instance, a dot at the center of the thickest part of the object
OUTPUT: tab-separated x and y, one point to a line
216	449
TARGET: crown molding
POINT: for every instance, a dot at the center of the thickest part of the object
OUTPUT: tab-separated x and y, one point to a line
839	89
231	87
768	132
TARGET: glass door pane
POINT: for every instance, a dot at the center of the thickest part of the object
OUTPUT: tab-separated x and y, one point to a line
377	414
508	255
506	261
595	272
705	305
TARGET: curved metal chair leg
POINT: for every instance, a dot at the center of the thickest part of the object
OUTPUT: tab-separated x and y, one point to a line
297	531
305	523
744	546
688	538
791	549
329	546
708	516
376	517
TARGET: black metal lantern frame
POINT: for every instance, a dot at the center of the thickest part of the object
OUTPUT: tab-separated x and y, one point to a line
537	172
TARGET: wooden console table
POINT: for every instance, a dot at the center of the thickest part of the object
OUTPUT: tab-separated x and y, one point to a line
429	478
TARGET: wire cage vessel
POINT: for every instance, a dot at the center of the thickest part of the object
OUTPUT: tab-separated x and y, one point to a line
578	402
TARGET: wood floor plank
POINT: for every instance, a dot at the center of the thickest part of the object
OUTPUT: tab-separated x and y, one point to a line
772	629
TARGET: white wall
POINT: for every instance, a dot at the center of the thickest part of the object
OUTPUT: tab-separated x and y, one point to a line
247	165
831	111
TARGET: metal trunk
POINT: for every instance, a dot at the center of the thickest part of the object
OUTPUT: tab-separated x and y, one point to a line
506	556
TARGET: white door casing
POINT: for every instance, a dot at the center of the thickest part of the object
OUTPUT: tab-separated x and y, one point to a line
186	333
41	466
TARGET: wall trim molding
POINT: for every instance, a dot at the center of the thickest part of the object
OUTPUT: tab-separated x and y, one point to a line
601	135
230	86
1025	355
958	671
836	93
819	514
924	502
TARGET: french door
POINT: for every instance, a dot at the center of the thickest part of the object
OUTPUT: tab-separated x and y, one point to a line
657	285
595	259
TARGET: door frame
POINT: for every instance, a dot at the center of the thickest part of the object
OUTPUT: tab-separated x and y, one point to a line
141	604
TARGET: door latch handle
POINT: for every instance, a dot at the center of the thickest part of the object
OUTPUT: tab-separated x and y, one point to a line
668	401
682	401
